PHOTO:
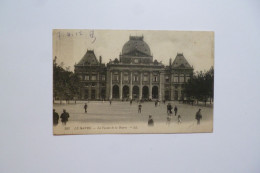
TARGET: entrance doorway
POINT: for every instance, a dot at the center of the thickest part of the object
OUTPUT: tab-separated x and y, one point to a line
145	92
125	92
115	91
103	94
155	92
176	95
93	94
135	92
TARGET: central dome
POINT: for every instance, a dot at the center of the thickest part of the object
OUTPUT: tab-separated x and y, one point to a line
136	45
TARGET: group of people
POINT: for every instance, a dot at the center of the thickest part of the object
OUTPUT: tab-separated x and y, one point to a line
64	117
198	115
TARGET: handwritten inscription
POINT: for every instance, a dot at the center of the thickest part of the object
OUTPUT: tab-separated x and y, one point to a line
77	34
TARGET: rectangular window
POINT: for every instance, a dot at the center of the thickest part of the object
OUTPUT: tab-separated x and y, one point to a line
135	78
176	79
167	79
181	78
155	78
80	77
187	78
115	77
125	78
94	77
145	78
87	77
103	77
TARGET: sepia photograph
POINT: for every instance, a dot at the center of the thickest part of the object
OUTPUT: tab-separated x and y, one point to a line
132	81
130	86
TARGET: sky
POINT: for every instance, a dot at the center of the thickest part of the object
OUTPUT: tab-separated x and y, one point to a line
197	46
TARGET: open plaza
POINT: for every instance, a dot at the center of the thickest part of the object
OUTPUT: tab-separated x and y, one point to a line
123	117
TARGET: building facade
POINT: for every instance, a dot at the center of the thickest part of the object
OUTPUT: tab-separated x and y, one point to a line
134	75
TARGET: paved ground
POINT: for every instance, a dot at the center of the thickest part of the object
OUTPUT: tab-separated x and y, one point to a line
103	118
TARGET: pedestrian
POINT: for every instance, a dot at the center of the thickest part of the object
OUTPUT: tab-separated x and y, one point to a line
163	101
155	103
55	118
139	108
179	119
131	102
150	121
198	116
175	110
110	101
168	108
86	107
64	117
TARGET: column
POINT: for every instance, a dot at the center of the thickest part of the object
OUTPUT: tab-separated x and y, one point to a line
150	86
89	91
120	87
111	89
141	86
179	93
172	88
160	86
98	88
131	86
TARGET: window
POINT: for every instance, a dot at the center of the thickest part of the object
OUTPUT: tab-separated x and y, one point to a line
115	77
125	78
155	78
87	77
187	78
103	77
145	78
93	84
80	77
135	78
167	79
94	77
182	78
176	79
136	61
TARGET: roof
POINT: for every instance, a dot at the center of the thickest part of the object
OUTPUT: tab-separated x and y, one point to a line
136	44
180	62
89	58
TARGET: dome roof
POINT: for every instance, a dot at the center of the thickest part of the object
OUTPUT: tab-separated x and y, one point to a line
136	45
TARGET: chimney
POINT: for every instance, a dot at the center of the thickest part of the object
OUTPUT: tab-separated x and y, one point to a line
170	62
100	59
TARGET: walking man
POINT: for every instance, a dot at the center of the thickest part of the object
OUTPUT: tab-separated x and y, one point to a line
86	107
64	117
139	108
198	116
175	110
168	108
150	121
55	118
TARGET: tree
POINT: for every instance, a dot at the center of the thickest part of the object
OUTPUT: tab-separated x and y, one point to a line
201	86
66	84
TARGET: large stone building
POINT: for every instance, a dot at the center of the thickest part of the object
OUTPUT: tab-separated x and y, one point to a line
135	75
